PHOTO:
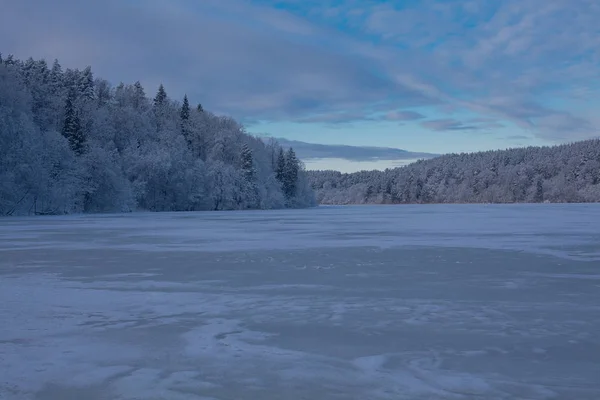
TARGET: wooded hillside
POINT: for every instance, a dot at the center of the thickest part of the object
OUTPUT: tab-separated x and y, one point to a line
70	142
565	173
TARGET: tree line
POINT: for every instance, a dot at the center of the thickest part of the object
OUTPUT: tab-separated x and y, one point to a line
557	174
72	143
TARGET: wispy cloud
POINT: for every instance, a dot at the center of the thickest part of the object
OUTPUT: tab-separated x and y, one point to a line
517	137
447	125
358	115
403	116
526	63
337	117
503	59
450	124
307	151
237	57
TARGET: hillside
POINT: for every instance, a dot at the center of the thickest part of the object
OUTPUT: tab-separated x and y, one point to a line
71	143
565	173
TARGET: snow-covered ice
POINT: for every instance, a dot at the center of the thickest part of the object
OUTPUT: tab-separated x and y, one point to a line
365	302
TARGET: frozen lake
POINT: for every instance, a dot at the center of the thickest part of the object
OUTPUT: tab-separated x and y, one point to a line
366	303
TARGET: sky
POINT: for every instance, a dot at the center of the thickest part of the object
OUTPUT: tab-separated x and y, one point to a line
435	76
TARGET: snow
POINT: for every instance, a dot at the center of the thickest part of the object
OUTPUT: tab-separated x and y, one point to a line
365	302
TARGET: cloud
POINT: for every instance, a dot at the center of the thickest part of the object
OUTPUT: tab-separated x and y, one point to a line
234	57
362	115
521	62
403	116
307	151
447	125
337	117
451	124
468	54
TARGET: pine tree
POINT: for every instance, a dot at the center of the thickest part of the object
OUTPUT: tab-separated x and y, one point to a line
273	158
199	108
247	161
70	80
43	71
72	129
539	192
86	84
249	173
280	167
103	92
185	109
120	94
56	71
161	96
290	174
184	115
139	95
27	70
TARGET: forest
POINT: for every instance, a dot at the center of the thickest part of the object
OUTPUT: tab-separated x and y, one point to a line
565	173
72	143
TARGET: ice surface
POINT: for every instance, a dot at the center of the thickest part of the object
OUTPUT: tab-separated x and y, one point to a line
366	302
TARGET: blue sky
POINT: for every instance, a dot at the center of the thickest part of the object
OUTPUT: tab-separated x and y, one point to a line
432	76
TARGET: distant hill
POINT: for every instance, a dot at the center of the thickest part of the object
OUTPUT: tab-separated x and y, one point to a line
564	173
353	153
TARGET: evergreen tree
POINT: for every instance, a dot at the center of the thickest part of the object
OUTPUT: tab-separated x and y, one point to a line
56	71
85	84
103	92
247	161
28	70
199	108
120	96
139	95
185	109
161	96
280	167
184	115
539	192
250	178
290	173
72	129
273	158
43	72
70	80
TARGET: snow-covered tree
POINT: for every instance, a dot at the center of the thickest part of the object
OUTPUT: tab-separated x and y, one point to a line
139	100
185	109
280	166
247	163
161	96
72	129
184	115
70	143
564	173
248	170
290	174
86	84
